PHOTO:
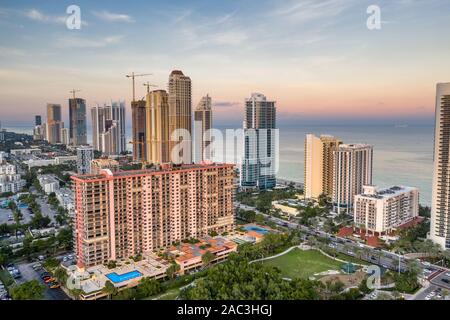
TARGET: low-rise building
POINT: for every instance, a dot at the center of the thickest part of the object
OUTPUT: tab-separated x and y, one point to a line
100	164
383	210
18	152
48	183
65	198
10	180
189	255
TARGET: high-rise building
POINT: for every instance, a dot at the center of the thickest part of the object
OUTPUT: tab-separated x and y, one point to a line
54	123
138	121
180	118
157	127
39	132
260	143
319	166
202	129
384	210
65	136
85	155
440	199
117	110
77	120
37	120
126	213
98	126
108	128
352	171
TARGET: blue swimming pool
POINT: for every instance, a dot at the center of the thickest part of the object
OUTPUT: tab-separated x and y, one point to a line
116	278
256	228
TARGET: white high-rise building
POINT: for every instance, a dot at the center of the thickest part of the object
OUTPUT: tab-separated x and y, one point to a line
85	155
259	166
352	171
440	200
383	210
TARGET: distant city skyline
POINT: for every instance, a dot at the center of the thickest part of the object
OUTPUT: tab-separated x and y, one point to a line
317	59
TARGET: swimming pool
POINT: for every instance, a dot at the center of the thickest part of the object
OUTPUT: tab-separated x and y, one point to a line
256	228
116	278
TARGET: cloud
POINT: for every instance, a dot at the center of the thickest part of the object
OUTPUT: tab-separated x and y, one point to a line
307	10
225	104
113	17
39	16
78	42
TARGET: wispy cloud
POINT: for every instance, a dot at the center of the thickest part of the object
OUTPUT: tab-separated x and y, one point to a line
113	17
39	16
307	10
79	42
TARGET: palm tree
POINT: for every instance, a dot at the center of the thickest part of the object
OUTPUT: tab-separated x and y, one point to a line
207	258
109	289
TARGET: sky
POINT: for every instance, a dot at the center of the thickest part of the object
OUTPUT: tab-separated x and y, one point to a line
316	58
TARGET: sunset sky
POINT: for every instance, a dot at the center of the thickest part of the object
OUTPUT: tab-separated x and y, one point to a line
317	59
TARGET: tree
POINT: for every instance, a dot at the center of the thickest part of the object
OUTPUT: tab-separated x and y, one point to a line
207	258
31	290
61	275
148	287
110	289
172	270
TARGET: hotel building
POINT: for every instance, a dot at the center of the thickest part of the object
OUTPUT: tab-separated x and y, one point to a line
260	144
352	171
440	199
180	118
122	214
319	165
383	210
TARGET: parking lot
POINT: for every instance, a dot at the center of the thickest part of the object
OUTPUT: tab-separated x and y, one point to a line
28	274
46	210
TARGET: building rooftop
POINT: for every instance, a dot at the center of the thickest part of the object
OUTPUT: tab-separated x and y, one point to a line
385	193
354	146
161	168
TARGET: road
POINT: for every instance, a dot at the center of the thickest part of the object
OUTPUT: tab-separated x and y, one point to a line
437	275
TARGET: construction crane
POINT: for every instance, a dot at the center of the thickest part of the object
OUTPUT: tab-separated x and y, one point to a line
148	85
132	76
73	91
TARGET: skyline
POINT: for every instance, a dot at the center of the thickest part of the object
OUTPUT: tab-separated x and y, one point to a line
317	60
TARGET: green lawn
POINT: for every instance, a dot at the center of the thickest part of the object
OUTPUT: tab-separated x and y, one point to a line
303	264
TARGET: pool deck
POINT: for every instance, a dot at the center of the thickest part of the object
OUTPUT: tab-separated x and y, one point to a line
94	278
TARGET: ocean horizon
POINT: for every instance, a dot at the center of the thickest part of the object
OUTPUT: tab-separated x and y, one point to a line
403	154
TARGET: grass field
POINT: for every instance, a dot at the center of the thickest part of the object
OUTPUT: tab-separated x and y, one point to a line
303	264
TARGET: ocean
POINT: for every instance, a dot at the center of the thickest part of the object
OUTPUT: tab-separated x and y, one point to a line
403	155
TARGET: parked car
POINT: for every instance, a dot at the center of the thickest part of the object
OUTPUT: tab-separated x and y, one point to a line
54	285
50	279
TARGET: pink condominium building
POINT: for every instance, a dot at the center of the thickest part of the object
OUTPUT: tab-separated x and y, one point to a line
125	213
